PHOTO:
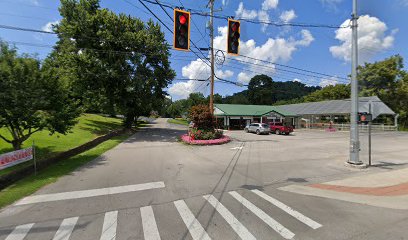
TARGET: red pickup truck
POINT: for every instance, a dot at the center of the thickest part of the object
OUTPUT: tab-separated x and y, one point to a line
280	128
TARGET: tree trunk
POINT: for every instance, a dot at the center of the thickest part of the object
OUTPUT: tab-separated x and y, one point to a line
129	120
17	144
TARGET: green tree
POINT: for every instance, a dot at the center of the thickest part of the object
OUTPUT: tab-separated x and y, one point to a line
336	92
387	80
117	60
260	90
31	98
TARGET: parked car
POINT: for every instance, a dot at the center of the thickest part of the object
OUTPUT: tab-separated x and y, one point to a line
280	128
258	128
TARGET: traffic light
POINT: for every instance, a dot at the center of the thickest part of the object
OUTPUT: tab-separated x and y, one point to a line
233	36
181	30
364	117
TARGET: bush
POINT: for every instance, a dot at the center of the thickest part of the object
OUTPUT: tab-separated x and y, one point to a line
197	134
202	118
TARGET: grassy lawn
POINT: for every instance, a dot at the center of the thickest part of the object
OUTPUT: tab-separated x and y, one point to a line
180	121
88	127
51	174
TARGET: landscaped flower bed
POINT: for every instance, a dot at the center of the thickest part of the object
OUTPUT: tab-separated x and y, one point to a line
189	140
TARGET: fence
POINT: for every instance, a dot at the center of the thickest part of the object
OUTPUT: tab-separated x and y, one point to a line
346	127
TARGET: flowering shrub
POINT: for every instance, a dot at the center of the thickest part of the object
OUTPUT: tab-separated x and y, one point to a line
187	139
198	134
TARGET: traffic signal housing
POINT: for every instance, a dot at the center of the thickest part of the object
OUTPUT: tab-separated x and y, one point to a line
233	36
181	39
364	117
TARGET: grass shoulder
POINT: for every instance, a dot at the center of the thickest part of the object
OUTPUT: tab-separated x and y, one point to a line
89	127
179	121
51	174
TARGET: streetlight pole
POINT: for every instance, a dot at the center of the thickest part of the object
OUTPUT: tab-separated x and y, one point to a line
212	54
354	133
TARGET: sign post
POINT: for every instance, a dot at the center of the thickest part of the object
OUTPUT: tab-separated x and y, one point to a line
35	160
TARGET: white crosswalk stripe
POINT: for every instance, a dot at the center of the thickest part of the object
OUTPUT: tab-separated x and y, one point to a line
20	232
110	223
240	229
66	228
150	230
284	232
289	210
194	227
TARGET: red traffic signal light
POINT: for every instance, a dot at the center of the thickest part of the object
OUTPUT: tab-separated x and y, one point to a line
181	40
233	37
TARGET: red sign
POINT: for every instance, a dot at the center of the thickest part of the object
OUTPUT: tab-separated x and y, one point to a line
13	158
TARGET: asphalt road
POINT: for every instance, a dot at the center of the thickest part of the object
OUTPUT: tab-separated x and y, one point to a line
152	187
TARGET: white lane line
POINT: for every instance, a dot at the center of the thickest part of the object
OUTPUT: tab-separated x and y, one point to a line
240	229
65	229
284	232
20	232
89	193
194	227
150	230
309	222
110	224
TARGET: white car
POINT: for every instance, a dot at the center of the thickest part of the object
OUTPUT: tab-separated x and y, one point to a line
258	128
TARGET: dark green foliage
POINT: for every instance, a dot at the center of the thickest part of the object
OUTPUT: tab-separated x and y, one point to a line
336	92
389	81
32	98
113	63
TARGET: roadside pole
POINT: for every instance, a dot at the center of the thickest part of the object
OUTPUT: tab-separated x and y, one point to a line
354	131
211	3
369	133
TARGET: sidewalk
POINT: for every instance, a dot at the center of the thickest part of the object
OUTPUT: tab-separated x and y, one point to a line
385	189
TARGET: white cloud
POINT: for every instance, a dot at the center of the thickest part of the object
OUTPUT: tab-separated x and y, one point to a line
296	80
331	4
269	4
48	27
372	39
273	50
262	14
241	12
244	77
288	16
196	69
328	81
224	74
404	2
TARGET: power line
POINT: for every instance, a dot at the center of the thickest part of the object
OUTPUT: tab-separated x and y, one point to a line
170	29
276	24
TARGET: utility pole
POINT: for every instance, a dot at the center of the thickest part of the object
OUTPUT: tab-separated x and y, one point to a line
211	3
354	134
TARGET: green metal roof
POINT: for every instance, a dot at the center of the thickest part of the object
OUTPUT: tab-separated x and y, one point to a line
249	110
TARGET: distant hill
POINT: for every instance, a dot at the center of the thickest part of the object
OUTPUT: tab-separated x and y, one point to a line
280	92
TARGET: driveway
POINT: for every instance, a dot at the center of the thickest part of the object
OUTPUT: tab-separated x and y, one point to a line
152	187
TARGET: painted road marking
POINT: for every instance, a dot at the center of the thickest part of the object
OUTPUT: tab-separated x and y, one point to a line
110	224
279	228
89	193
194	227
65	229
309	222
240	229
150	230
235	148
20	232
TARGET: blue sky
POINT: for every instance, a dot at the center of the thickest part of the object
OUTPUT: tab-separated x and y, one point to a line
382	33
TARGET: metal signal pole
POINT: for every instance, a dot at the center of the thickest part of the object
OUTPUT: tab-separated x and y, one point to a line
211	3
354	134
